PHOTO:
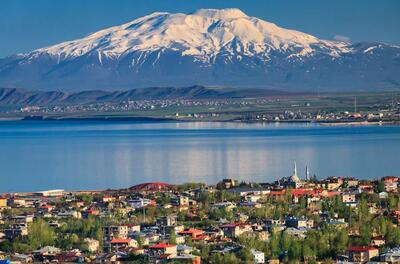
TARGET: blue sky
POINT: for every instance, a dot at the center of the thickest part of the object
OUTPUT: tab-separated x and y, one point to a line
29	24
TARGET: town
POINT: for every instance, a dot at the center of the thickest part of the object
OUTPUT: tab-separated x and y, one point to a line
292	220
372	109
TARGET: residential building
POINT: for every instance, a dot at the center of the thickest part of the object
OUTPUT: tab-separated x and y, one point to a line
362	254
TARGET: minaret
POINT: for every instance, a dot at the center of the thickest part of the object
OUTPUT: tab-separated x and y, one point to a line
307	174
295	169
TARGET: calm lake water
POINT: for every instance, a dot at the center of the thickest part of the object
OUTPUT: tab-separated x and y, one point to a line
36	155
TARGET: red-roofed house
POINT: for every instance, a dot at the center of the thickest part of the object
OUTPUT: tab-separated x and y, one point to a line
362	254
378	241
391	183
45	208
162	250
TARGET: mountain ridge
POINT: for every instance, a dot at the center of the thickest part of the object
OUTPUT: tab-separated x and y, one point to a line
25	97
210	47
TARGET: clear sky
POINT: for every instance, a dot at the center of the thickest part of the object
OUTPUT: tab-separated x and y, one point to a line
29	24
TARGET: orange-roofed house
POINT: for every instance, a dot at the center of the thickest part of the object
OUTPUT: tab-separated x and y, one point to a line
118	243
362	254
192	232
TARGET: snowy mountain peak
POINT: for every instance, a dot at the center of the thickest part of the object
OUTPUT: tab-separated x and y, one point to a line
203	34
225	13
218	47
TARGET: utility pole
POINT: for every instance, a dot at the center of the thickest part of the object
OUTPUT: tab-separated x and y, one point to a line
355	104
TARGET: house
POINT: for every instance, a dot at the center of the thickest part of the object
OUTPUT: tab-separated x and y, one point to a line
338	223
191	232
348	197
118	243
296	232
16	231
390	183
91	244
145	240
391	256
227	183
169	220
351	182
140	203
45	208
378	241
21	258
235	229
18	202
225	205
250	204
3	202
22	219
70	214
118	231
108	199
333	183
180	240
249	191
180	200
299	222
362	254
184	249
187	258
252	198
258	256
383	195
162	250
132	228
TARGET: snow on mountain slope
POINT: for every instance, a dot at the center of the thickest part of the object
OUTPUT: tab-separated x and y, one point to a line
218	47
202	34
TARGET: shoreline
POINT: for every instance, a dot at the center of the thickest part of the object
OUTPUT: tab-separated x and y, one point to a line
162	119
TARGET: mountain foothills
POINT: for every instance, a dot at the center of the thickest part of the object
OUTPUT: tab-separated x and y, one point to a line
208	47
13	96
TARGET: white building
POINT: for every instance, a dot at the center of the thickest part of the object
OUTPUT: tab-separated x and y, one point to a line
50	193
258	256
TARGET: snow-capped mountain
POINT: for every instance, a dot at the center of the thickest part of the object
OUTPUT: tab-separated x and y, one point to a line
208	47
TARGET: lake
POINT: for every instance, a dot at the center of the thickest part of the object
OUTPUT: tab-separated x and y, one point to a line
74	155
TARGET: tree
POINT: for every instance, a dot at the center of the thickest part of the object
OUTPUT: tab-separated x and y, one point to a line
340	242
5	246
393	236
172	237
381	186
245	254
308	253
40	234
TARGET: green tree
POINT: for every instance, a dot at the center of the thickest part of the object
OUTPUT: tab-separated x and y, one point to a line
40	234
172	237
245	255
